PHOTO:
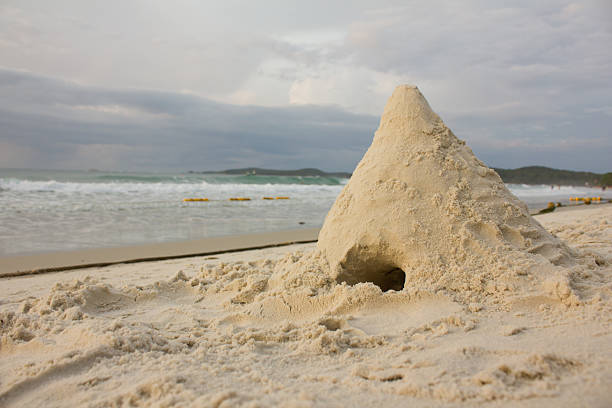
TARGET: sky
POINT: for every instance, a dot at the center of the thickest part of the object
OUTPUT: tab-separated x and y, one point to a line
210	85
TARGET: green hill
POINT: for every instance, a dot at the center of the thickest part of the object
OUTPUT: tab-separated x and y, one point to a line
523	175
546	175
309	172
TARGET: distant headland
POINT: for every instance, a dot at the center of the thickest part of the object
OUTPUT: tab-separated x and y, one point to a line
252	171
546	175
533	175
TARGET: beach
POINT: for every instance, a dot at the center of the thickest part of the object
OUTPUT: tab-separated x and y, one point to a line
237	329
18	265
254	204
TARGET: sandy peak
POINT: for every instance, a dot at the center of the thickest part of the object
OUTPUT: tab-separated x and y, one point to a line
407	106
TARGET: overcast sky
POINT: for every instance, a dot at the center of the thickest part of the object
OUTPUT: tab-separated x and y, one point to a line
192	85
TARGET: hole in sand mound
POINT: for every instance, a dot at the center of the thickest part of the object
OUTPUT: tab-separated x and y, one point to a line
390	278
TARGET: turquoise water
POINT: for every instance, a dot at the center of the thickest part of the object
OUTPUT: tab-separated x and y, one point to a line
160	179
45	211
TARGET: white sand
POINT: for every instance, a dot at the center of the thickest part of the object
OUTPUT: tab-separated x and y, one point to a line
245	330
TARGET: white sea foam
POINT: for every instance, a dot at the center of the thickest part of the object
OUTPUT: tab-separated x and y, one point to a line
29	186
524	190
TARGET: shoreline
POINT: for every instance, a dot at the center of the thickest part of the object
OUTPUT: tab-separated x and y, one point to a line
31	264
571	207
20	265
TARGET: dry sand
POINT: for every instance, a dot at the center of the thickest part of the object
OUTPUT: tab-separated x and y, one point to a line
242	329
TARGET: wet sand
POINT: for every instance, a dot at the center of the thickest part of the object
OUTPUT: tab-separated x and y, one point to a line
56	261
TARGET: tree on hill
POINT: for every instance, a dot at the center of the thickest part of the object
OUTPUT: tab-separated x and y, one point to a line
546	175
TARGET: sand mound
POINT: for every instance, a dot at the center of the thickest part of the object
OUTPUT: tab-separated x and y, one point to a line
421	209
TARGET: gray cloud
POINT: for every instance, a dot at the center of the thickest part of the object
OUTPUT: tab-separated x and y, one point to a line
206	84
52	123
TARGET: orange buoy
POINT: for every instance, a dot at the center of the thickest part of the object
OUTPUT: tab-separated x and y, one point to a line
282	198
268	198
195	199
240	199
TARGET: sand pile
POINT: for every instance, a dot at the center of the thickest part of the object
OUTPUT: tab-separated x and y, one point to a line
422	211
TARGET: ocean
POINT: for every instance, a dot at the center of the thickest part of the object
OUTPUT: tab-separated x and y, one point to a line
51	210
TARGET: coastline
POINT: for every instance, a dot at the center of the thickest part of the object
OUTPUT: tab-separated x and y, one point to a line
59	211
30	264
18	265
